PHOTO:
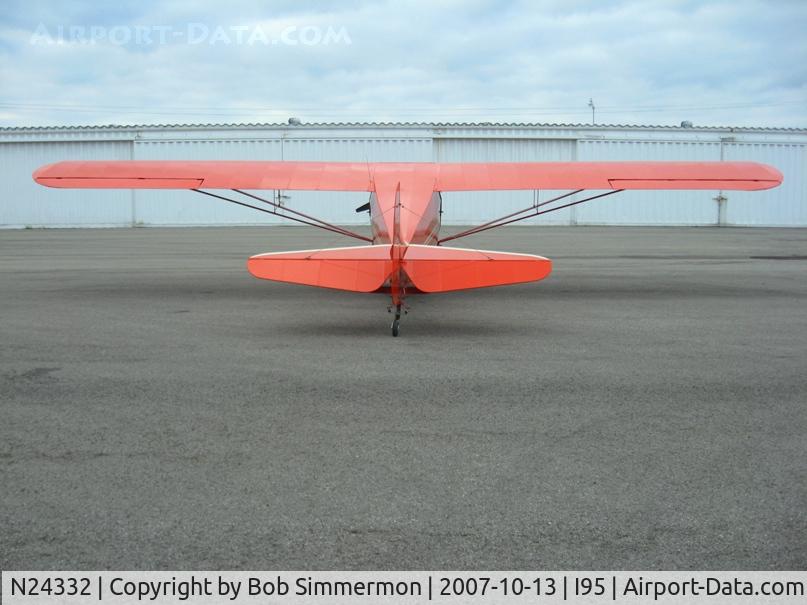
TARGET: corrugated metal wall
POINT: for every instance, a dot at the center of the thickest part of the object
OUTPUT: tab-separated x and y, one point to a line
189	208
23	203
340	207
480	206
649	207
168	207
785	205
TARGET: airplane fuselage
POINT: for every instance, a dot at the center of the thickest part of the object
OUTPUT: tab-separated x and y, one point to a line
403	212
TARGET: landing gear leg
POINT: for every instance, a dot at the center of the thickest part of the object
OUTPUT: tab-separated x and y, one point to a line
397	321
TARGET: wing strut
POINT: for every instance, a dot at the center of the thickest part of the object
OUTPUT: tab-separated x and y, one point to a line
532	210
319	223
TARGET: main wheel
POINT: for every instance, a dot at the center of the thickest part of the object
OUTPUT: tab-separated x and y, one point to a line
395	325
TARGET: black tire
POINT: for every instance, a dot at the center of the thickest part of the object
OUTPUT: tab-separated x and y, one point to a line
395	325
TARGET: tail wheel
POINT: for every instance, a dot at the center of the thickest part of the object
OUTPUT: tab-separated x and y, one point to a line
396	323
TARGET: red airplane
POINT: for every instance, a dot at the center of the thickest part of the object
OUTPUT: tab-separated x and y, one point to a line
406	254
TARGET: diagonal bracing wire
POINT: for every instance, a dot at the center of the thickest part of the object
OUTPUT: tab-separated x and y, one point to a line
501	221
320	225
285	209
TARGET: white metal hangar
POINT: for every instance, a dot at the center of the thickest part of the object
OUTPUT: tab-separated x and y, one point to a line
25	204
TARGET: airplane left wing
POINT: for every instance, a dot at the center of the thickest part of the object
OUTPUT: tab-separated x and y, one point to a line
219	174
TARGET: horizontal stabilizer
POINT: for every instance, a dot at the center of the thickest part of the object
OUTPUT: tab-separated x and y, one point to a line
357	269
442	269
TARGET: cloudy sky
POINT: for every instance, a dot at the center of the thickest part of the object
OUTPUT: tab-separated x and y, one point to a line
733	62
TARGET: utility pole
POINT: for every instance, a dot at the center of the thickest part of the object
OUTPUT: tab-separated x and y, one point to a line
591	104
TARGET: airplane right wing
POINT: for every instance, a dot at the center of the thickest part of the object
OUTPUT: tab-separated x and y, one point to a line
607	175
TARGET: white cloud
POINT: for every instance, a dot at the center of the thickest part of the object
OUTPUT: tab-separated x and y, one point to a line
739	62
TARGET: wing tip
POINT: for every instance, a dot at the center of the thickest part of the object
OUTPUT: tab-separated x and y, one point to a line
776	175
40	175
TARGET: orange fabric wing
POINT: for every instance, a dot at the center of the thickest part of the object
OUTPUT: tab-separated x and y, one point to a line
331	176
608	175
357	176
